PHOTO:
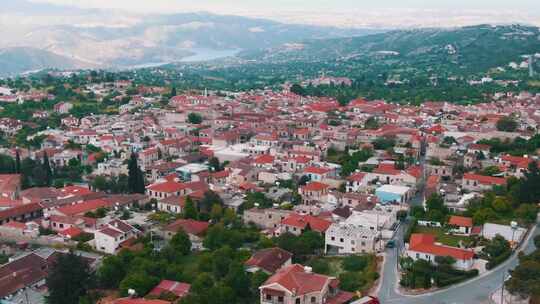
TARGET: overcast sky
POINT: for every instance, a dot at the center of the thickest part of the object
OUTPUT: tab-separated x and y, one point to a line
341	13
297	5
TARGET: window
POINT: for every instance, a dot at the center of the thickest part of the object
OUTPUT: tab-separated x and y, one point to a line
280	299
333	238
297	301
417	255
268	297
313	299
341	240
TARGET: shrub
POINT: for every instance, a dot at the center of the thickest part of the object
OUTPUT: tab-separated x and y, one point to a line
355	263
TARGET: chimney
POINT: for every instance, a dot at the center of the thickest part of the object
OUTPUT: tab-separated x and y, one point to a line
308	269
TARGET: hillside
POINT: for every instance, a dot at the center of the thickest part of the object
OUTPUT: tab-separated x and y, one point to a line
468	49
20	59
120	39
403	66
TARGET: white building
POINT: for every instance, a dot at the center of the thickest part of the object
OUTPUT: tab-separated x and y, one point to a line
350	239
423	247
109	238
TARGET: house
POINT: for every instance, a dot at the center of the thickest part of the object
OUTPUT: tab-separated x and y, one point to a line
22	213
423	246
343	238
178	289
268	260
162	190
269	218
356	182
313	191
296	284
148	156
461	224
194	229
479	183
296	224
110	238
394	193
63	107
19	230
317	174
29	270
10	186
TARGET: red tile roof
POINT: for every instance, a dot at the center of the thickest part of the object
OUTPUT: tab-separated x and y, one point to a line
178	288
425	243
83	207
270	259
303	221
315	186
387	169
168	187
357	177
460	221
189	226
486	180
71	232
264	159
20	210
316	170
295	278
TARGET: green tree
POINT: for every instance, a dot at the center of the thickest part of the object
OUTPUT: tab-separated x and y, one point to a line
47	169
190	211
436	210
139	281
69	280
372	123
194	118
111	272
180	243
17	162
355	263
238	280
527	212
214	164
298	90
100	183
507	124
135	176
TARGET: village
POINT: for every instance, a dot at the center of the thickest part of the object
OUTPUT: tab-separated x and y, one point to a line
311	196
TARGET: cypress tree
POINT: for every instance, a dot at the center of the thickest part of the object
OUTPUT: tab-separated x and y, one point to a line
17	162
135	176
47	169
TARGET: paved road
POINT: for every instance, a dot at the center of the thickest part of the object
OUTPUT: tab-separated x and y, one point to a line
476	290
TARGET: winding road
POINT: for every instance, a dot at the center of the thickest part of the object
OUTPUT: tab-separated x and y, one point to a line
476	290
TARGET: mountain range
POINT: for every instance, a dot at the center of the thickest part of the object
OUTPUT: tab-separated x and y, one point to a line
82	38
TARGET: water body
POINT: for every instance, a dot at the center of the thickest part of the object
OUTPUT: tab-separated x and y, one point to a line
208	54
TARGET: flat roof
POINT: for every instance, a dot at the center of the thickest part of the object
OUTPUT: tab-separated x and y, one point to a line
393	189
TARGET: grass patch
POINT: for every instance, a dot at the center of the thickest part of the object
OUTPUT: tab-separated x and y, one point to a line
534	83
360	280
440	236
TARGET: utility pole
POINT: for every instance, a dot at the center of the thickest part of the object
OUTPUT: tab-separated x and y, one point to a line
531	66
